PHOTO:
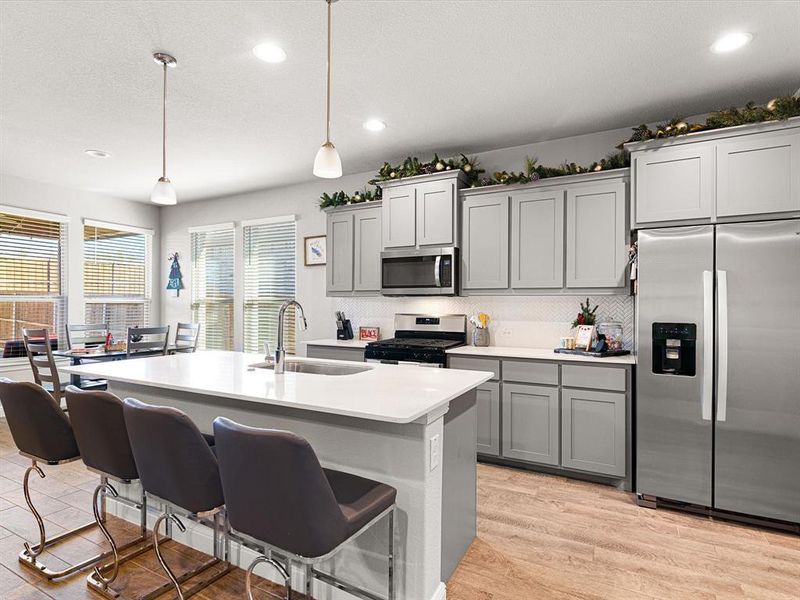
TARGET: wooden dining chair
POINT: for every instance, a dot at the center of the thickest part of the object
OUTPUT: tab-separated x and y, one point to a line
186	337
147	341
43	364
86	336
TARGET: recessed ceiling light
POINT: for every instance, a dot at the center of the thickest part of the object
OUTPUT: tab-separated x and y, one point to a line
270	53
731	41
374	125
97	153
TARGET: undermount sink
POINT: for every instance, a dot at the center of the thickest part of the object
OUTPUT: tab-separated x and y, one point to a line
314	368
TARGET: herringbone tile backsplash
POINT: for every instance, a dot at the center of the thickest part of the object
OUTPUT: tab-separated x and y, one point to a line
527	321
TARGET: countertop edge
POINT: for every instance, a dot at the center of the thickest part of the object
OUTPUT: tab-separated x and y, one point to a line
87	370
538	354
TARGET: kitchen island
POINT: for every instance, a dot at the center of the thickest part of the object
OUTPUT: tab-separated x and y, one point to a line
409	427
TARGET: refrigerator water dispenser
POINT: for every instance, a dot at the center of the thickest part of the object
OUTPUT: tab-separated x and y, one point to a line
674	348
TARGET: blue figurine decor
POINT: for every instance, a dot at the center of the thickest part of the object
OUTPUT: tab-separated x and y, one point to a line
175	282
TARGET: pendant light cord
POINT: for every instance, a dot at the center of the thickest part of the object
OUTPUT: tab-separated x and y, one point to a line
164	127
328	107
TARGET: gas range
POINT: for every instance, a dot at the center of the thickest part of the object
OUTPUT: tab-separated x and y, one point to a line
420	339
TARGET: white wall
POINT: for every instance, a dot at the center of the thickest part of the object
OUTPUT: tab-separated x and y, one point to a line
302	200
78	205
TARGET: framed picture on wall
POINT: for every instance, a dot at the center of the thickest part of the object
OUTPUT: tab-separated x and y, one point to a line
315	253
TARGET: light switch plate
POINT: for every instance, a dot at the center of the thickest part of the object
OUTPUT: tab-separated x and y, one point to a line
436	453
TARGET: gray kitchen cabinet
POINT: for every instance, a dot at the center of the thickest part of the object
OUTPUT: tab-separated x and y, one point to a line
593	431
674	183
335	353
484	239
488	409
339	268
399	217
435	213
367	250
537	239
421	211
597	235
530	423
759	174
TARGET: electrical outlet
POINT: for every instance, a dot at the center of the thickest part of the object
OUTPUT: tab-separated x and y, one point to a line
436	452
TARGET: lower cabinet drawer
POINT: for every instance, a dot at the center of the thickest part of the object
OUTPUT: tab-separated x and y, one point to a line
593	431
598	378
530	423
522	371
488	413
475	364
335	353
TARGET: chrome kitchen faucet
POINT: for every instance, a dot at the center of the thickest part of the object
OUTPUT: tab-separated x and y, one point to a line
280	351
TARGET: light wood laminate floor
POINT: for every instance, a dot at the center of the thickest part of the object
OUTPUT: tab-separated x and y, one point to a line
539	537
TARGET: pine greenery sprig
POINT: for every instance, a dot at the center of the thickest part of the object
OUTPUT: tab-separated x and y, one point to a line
412	167
777	109
587	316
341	198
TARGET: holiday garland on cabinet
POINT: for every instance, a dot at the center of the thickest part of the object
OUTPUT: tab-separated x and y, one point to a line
777	109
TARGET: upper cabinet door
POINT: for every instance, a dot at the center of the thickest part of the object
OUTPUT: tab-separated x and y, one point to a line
537	239
367	250
674	183
339	269
399	217
435	211
759	174
597	236
484	253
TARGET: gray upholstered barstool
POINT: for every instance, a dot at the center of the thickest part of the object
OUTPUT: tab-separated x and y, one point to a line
290	507
178	468
99	426
42	433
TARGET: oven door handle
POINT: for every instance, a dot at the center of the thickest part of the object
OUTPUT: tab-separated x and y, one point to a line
437	271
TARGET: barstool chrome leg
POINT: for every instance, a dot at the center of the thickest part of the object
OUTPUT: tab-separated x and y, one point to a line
177	581
29	556
391	554
287	579
167	517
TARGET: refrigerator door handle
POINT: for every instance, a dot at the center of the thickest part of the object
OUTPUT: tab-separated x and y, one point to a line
722	366
706	398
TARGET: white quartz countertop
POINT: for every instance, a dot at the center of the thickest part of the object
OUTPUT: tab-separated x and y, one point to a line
538	354
337	343
391	393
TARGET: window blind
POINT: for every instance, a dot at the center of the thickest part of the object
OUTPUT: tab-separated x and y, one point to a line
212	287
116	277
269	280
32	279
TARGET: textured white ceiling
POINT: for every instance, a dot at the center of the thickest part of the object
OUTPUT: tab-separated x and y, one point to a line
444	75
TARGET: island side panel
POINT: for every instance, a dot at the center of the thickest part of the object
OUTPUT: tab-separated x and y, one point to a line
459	481
396	454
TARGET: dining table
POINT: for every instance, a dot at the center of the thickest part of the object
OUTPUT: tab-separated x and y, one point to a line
77	356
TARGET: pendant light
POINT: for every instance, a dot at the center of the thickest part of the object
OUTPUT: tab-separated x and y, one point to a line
163	192
327	163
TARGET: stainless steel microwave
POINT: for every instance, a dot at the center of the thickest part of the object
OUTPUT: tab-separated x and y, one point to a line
424	272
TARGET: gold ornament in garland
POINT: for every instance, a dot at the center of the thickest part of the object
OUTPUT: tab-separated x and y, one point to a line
412	167
341	198
777	109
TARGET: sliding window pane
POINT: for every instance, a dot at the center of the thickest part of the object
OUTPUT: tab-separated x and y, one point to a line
32	264
269	280
212	287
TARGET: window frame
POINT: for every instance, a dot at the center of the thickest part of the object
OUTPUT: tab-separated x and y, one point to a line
107	301
59	301
195	302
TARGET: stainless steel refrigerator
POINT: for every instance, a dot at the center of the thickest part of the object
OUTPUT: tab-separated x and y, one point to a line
718	375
